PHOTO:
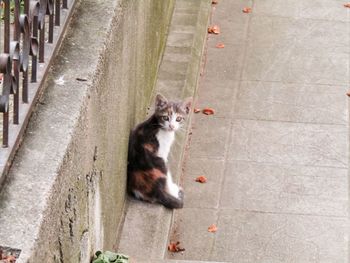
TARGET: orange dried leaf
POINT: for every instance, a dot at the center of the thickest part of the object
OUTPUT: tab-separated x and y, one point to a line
247	10
208	111
220	45
214	2
8	258
174	247
347	5
214	29
196	110
201	179
212	228
348	93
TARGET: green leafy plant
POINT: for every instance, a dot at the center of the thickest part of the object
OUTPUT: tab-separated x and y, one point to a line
12	9
108	257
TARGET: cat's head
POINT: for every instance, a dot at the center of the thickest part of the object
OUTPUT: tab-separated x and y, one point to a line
171	114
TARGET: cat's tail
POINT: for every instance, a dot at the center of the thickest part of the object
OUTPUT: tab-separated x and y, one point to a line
167	199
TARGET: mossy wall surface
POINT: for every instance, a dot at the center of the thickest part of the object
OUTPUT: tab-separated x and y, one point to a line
74	154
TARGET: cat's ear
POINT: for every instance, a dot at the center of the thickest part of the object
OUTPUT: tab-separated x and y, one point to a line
186	104
161	102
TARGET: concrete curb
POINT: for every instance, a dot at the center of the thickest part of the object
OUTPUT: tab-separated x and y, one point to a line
146	226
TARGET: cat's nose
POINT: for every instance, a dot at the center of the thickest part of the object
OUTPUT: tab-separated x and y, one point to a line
172	127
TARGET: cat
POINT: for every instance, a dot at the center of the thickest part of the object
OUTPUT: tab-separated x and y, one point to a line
149	178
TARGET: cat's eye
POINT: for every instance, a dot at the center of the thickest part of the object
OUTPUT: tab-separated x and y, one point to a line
178	119
165	118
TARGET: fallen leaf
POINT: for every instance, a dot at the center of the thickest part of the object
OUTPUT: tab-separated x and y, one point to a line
214	29
347	5
208	111
214	2
8	258
247	10
196	110
201	179
220	45
348	93
174	247
212	228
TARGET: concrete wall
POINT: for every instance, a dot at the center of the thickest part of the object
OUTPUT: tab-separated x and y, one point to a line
67	183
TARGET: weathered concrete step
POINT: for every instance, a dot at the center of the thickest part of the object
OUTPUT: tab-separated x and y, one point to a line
146	226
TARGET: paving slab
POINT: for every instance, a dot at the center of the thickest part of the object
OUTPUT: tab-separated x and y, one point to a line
231	63
278	238
313	9
232	22
191	228
210	136
221	98
297	50
292	102
289	143
203	195
287	189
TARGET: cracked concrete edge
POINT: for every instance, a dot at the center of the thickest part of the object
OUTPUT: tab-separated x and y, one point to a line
146	227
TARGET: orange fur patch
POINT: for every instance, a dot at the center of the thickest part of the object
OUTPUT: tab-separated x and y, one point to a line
144	180
149	147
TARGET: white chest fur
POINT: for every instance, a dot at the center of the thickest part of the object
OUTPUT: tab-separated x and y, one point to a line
165	139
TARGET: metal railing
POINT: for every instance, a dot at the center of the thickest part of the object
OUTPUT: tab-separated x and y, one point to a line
31	31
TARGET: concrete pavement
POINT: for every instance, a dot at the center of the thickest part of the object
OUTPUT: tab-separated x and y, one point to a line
276	151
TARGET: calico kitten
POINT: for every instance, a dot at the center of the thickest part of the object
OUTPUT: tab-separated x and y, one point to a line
149	178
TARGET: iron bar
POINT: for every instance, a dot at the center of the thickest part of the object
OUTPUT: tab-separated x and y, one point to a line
57	12
23	27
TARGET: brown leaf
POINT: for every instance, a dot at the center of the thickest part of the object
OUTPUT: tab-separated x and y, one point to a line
220	45
214	29
8	258
201	179
208	111
214	2
196	110
247	10
212	228
347	5
174	247
348	93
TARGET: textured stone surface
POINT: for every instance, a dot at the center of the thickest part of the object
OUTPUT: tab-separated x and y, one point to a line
264	237
210	137
277	51
291	102
203	195
191	229
288	189
317	9
289	143
65	192
276	151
